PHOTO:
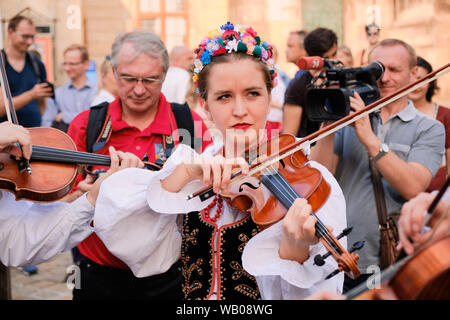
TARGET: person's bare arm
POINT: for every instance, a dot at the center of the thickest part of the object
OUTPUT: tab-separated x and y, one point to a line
292	116
323	151
39	91
408	178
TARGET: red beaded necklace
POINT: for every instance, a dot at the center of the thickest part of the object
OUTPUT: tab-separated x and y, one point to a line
217	200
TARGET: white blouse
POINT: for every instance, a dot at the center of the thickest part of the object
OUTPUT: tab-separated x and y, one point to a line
31	233
138	221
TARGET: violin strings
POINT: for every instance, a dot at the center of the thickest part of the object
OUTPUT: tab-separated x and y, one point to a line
291	194
71	153
323	230
49	154
68	158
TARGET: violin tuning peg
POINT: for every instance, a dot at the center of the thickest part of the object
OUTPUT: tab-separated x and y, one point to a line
345	232
357	246
319	260
335	272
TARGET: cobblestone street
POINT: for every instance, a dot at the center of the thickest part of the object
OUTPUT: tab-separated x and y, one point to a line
48	284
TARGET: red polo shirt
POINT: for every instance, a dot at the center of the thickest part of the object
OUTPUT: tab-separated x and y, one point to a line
127	138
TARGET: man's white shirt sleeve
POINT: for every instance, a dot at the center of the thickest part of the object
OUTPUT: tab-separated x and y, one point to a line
31	233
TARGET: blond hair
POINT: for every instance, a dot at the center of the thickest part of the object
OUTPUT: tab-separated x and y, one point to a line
81	48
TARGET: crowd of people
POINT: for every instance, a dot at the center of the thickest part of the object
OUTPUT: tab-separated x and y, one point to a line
140	234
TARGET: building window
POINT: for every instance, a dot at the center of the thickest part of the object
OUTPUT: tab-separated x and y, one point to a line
166	18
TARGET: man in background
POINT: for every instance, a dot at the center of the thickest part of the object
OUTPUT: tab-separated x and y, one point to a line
402	144
74	97
26	74
320	42
295	49
178	78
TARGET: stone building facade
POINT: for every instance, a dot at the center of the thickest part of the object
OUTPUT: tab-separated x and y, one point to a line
95	23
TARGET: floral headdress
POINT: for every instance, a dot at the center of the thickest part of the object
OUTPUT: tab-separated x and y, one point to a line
232	38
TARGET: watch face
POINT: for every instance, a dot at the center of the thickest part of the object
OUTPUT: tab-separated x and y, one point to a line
384	147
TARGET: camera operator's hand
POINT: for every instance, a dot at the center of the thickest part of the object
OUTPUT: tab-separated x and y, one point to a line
362	126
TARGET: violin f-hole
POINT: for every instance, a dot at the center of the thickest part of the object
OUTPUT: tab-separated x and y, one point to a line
248	184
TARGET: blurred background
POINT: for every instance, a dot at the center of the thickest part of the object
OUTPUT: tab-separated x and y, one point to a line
95	23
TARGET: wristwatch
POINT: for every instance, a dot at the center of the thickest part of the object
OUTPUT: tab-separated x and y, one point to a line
384	148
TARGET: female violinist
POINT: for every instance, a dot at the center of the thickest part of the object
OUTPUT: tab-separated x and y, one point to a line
224	254
31	233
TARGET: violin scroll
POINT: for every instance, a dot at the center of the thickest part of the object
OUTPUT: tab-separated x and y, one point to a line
347	260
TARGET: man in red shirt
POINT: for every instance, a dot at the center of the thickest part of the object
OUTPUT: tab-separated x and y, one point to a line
142	122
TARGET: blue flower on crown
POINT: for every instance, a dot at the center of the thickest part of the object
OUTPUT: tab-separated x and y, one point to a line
227	26
206	57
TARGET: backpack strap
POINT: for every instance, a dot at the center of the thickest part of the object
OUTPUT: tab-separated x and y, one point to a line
184	119
35	66
98	130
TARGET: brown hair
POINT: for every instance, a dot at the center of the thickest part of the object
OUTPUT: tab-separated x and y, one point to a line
79	47
203	76
14	22
396	42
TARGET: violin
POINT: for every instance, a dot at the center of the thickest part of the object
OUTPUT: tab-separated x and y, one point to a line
52	170
268	194
286	175
423	276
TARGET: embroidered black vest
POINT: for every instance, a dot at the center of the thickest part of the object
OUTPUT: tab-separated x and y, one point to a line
198	259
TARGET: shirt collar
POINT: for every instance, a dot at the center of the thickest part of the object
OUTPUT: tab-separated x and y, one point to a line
408	113
87	84
162	124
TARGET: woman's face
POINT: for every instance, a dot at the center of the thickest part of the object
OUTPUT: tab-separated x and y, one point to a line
373	35
238	102
422	91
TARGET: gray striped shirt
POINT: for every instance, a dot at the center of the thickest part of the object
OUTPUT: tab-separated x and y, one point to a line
70	101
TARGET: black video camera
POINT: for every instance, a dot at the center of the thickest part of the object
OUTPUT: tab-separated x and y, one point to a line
330	101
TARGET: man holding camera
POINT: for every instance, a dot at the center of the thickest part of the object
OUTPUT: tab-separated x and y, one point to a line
26	74
404	146
320	42
74	97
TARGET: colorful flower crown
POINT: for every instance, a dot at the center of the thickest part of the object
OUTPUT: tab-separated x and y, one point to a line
232	38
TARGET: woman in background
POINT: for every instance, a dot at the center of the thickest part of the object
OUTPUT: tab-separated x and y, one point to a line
423	101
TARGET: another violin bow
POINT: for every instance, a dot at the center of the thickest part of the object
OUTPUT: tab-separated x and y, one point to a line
22	163
436	200
390	271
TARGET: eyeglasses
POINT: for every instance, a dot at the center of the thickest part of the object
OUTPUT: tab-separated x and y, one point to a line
372	34
25	36
131	81
71	64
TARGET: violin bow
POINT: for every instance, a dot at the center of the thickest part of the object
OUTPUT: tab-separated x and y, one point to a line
331	128
23	163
